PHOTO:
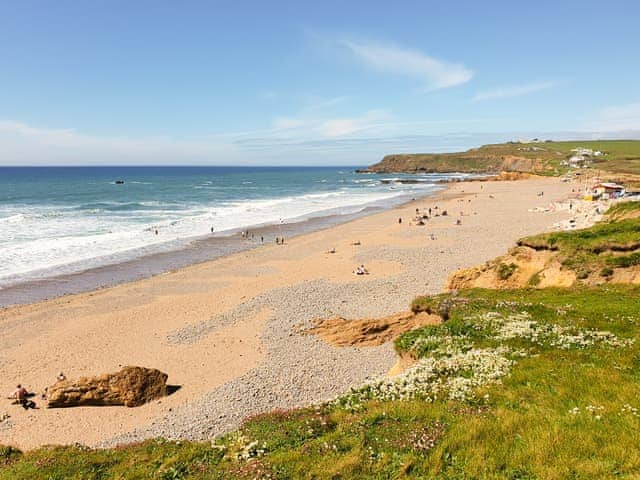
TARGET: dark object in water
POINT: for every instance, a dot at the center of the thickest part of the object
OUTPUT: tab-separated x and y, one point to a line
119	182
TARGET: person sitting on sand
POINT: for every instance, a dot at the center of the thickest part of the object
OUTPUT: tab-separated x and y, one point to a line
361	270
61	377
19	394
458	222
333	250
21	397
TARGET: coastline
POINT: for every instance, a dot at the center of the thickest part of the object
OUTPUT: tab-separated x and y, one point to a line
227	330
198	250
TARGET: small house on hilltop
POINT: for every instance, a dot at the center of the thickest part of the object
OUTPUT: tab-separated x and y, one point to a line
576	160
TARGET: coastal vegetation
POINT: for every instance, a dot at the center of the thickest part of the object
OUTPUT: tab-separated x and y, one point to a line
526	383
606	252
516	384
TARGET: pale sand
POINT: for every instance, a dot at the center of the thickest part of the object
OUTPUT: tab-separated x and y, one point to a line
132	324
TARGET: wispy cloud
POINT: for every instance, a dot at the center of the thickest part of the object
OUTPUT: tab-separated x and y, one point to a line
433	73
325	103
513	91
19	128
624	117
26	144
322	127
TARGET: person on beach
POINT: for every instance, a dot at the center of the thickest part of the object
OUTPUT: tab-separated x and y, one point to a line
361	270
400	220
277	240
61	377
21	397
261	239
19	394
333	250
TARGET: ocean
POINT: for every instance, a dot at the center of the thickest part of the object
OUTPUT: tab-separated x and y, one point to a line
61	220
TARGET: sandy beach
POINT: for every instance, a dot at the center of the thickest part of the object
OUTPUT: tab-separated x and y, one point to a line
227	331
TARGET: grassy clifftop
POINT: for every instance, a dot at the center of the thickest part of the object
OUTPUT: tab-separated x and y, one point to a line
608	252
620	156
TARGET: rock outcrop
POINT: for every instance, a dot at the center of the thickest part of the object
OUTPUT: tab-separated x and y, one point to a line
366	332
521	267
131	387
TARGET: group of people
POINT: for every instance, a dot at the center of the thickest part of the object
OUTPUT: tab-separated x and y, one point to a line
21	396
422	216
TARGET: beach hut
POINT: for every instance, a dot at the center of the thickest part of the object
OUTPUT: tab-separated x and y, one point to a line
609	190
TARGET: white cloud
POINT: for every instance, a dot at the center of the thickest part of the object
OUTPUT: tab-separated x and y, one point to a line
623	111
434	73
513	91
621	117
322	127
24	144
19	128
325	103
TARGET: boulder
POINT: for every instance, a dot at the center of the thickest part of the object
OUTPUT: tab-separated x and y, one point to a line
131	387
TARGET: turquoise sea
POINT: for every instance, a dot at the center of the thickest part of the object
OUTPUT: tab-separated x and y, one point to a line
60	220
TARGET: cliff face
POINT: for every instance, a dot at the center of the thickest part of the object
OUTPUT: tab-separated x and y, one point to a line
486	159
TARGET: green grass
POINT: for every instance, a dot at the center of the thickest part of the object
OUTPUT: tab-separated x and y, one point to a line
623	209
611	243
523	428
620	156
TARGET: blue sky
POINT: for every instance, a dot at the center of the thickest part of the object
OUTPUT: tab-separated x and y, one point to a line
324	83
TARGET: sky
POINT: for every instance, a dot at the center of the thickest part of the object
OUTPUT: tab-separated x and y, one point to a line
307	83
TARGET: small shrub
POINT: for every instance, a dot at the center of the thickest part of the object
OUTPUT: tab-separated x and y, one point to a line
424	303
535	279
582	274
506	271
625	261
606	272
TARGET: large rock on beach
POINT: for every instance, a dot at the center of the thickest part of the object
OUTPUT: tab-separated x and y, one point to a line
131	387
